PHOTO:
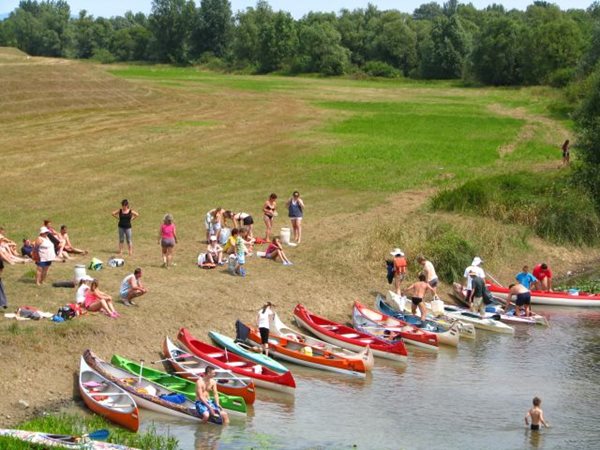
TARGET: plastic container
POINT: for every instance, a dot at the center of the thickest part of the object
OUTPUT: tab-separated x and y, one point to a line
79	272
284	235
231	263
225	233
437	307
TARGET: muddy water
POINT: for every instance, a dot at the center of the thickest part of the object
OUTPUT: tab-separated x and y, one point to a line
473	397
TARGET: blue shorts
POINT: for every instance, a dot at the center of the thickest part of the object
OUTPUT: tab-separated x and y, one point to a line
43	263
201	408
241	259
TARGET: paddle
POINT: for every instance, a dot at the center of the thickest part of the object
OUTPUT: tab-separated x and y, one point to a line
183	355
494	280
141	368
98	435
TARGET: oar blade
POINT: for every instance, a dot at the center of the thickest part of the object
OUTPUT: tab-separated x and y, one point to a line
99	435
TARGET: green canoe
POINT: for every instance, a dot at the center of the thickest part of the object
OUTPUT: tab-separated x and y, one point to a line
177	384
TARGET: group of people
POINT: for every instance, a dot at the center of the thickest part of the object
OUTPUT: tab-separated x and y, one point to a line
89	297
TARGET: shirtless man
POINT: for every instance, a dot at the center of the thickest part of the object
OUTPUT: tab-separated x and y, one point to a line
536	414
68	246
204	405
522	299
419	289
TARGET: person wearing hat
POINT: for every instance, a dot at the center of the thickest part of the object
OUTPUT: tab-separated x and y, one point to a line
44	255
214	252
474	267
399	268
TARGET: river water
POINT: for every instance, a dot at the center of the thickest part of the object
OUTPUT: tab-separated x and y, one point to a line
473	397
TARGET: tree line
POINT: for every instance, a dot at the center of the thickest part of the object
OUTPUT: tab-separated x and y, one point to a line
541	45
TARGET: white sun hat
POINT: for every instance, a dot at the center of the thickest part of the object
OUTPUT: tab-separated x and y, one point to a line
396	252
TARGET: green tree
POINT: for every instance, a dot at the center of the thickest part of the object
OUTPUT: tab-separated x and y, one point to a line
278	41
393	41
246	41
587	121
320	47
495	58
214	26
171	25
443	56
428	11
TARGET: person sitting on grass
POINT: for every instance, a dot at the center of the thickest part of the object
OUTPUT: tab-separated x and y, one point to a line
131	287
8	250
96	300
214	252
82	287
57	240
229	247
275	250
27	248
68	246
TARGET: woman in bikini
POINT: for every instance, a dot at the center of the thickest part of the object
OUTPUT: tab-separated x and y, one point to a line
269	213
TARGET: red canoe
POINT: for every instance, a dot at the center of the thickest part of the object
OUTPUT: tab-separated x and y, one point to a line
262	376
347	337
552	298
191	367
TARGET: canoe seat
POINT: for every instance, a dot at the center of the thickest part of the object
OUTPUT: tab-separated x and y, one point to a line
366	340
216	354
236	363
350	335
330	327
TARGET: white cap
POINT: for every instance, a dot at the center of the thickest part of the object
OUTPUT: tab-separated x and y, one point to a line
397	251
44	230
476	261
213	238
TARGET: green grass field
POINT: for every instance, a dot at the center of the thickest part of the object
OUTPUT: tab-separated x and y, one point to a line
77	138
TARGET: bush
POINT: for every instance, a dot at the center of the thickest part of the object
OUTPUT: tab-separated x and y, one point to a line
552	206
381	69
450	251
561	77
103	56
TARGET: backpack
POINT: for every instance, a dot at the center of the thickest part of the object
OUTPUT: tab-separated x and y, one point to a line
95	264
66	312
390	271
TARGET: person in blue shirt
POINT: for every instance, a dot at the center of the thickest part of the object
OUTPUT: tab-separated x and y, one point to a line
525	277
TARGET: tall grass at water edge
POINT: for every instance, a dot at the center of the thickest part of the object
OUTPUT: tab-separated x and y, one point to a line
549	204
75	425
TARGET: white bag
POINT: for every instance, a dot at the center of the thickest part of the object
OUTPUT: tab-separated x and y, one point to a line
201	258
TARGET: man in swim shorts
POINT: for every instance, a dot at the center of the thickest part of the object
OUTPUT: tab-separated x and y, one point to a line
522	299
537	415
419	289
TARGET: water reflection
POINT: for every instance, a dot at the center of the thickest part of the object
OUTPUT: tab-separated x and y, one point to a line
473	397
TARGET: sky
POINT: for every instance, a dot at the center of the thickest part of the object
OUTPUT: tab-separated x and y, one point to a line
108	8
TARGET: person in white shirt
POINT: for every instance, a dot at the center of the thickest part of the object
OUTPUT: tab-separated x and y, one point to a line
430	274
82	288
474	267
265	315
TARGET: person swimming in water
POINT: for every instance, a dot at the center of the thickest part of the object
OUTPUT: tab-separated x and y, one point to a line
536	414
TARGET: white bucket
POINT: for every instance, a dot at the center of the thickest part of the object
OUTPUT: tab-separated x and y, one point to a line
284	235
231	263
257	369
437	307
79	272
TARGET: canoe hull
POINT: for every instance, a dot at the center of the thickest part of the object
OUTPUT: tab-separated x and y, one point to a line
382	349
553	298
118	407
60	441
263	376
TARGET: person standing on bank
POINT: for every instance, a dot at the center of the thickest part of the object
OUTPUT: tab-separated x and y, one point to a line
295	207
167	238
3	300
269	214
566	154
399	268
430	274
44	254
263	320
125	215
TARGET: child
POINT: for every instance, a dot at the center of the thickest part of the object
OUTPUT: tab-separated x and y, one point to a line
241	250
214	252
419	288
536	414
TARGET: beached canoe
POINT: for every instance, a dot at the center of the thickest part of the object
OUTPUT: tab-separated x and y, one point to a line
177	384
246	352
278	328
146	393
191	367
262	376
465	315
306	355
61	440
497	308
347	337
584	299
443	322
375	323
107	399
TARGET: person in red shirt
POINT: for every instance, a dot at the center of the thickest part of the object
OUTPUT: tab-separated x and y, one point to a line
399	268
544	276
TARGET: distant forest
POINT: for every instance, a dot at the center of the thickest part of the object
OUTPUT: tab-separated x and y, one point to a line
495	46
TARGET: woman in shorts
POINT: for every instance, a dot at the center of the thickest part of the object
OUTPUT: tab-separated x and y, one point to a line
265	315
125	215
167	238
296	213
